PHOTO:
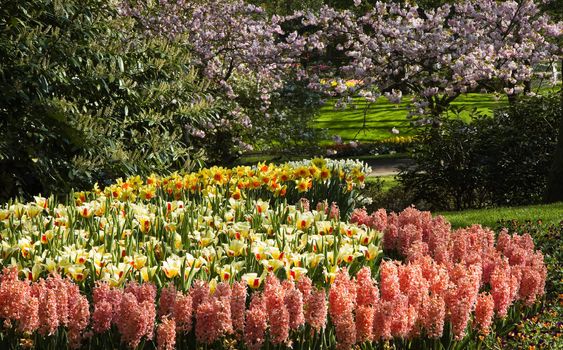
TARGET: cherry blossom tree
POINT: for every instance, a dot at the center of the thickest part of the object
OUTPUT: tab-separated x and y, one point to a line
240	50
437	54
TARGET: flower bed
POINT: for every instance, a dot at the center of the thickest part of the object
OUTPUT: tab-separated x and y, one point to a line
144	264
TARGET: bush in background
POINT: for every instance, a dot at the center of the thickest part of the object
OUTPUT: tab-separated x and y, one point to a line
503	160
85	98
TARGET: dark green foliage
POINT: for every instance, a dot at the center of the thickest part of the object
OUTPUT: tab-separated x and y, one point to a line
554	191
503	160
288	127
84	98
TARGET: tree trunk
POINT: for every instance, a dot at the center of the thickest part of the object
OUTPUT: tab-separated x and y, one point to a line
555	179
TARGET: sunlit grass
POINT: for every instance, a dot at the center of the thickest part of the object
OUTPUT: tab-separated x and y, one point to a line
547	213
382	116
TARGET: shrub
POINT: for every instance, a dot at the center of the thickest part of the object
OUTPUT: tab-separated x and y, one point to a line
490	161
85	98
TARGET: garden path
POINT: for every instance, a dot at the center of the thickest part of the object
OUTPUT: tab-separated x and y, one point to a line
386	167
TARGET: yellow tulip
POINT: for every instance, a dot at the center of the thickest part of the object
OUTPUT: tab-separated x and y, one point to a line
171	267
78	273
252	280
295	273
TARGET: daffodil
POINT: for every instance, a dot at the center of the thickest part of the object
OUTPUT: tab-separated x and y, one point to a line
303	184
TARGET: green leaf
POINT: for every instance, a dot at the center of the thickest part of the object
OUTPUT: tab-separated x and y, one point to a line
120	64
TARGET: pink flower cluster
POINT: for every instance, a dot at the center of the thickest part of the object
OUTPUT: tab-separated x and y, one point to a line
132	310
468	259
43	306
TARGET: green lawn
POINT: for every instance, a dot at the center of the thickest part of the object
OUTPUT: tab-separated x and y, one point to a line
388	181
382	116
548	214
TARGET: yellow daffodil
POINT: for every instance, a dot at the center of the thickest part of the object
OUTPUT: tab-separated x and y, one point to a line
303	185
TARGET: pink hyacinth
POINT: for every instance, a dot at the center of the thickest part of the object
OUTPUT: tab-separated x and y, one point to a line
504	242
390	237
103	292
364	323
223	290
484	311
223	300
316	310
342	296
255	327
304	205
13	294
436	275
183	312
143	292
501	281
166	300
461	298
389	286
403	316
166	334
102	316
136	320
334	212
413	284
48	317
199	293
29	320
278	315
58	285
438	236
393	318
471	244
532	282
416	251
367	291
79	315
294	305
408	234
322	207
223	294
488	263
381	323
433	315
359	216
208	326
413	216
238	305
378	220
273	292
305	285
